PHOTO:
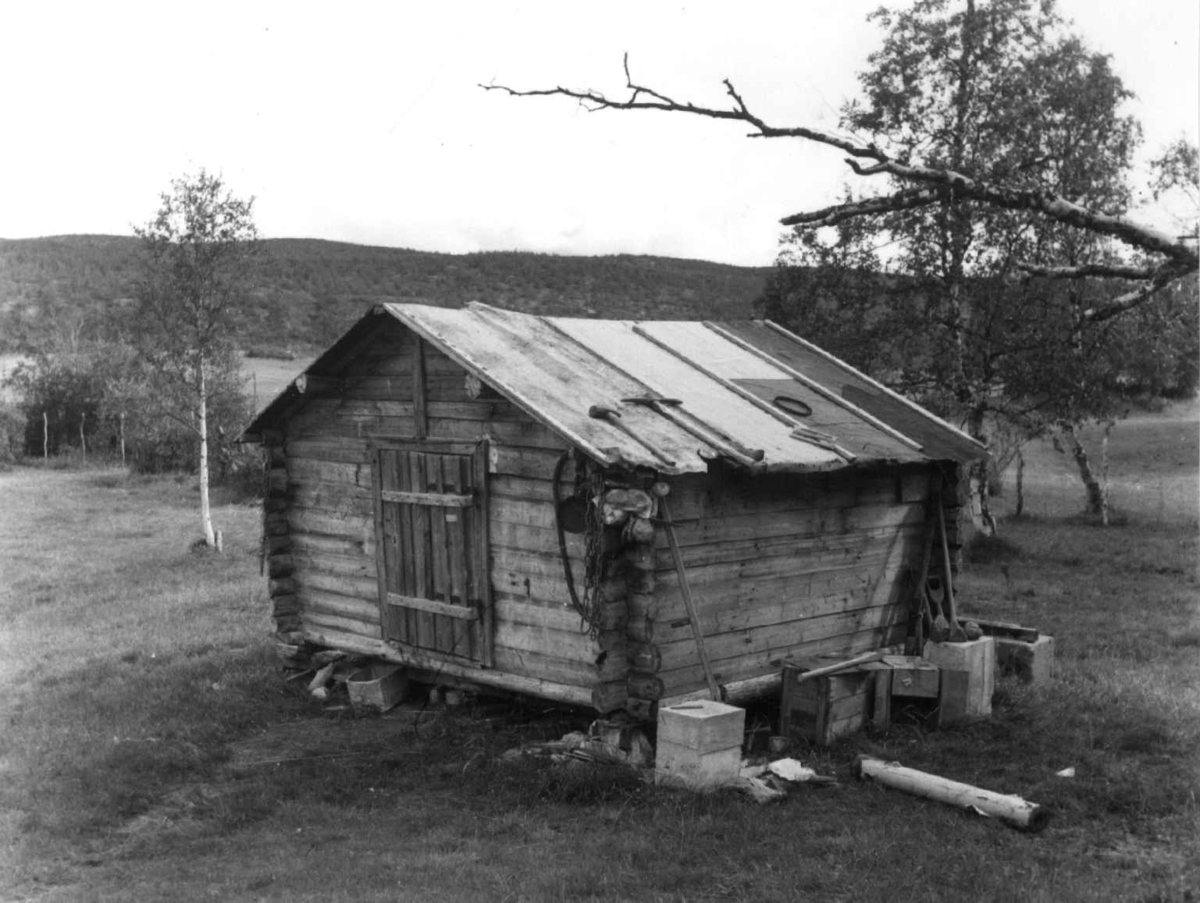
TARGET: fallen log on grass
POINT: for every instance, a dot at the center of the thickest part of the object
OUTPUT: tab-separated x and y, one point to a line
1010	809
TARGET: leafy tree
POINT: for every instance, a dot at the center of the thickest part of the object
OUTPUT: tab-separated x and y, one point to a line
59	399
198	257
999	141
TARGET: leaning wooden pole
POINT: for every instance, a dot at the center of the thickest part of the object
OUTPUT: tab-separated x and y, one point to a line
1012	810
689	603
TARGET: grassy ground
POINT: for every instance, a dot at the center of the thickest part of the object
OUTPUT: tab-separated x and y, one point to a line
150	750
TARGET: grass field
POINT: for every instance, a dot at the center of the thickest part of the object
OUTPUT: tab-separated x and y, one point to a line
150	750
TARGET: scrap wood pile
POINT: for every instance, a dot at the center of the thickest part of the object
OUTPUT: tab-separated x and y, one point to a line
320	672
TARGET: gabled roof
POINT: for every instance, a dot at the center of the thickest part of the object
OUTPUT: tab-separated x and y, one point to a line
670	395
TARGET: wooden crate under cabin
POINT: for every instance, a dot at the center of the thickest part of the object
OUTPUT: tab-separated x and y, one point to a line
822	709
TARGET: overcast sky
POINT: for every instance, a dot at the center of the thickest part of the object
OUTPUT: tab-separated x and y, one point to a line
363	122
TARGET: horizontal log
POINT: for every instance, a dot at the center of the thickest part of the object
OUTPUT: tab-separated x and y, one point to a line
355	587
640	629
281	586
313	544
319	620
737	692
333	450
532	539
279	543
642	709
545	666
732	607
534	613
612	666
567	644
340	498
349	526
800	525
275	524
303	471
318	601
757	664
644	685
610	696
336	564
282	606
774	637
351	641
280	565
819	546
277	481
644	657
539	489
861	567
1012	810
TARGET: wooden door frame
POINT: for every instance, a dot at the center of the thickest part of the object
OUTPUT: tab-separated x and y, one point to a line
480	555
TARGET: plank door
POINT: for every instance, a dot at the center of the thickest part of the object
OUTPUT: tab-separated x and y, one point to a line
431	523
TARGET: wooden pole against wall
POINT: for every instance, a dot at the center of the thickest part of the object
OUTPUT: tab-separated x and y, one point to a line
688	602
420	409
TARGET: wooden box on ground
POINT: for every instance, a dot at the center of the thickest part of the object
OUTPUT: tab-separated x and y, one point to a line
699	744
379	686
1032	662
977	658
822	709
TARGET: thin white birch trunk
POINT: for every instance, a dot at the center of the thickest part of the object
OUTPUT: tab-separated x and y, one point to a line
202	412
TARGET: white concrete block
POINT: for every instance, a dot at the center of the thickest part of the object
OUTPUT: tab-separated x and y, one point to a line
703	726
684	766
978	659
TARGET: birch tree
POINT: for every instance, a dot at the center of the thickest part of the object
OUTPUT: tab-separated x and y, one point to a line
988	148
198	254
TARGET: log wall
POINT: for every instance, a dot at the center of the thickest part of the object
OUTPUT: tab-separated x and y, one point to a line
785	565
321	512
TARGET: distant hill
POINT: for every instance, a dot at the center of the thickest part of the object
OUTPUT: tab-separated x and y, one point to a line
311	289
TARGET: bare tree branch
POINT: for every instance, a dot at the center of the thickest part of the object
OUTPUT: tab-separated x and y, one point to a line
1106	271
831	216
1166	274
931	185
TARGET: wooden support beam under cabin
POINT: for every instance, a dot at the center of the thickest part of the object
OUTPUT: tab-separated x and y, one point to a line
545	689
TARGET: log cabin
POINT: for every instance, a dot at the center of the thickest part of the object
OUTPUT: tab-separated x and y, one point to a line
612	514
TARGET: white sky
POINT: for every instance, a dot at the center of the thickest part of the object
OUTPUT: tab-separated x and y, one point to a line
363	122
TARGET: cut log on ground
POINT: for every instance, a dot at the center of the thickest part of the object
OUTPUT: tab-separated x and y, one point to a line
1012	810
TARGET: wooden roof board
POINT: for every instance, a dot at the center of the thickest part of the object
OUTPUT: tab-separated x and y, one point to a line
714	404
702	344
851	432
555	369
940	440
556	382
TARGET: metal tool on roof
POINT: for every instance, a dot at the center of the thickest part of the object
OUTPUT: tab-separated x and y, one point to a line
613	416
672	410
823	440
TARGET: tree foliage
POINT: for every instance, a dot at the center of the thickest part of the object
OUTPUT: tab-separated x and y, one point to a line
955	44
990	266
198	256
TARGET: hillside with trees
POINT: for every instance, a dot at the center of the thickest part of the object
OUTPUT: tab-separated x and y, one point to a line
308	291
